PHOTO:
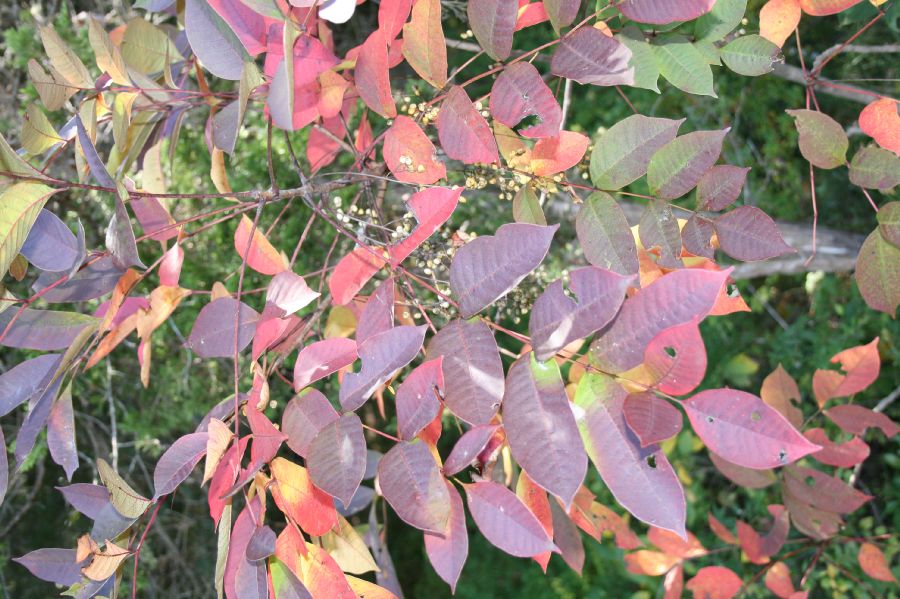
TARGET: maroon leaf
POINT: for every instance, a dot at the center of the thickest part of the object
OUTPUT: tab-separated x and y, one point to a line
651	418
823	492
747	233
463	132
467	448
382	355
431	207
493	23
814	523
93	281
412	484
53	565
224	477
856	419
841	455
535	406
320	359
245	579
372	75
177	462
337	457
448	553
61	433
662	12
417	402
696	235
567	538
676	358
720	186
213	335
605	236
641	479
520	91
590	57
745	430
562	13
378	314
304	417
743	477
557	319
25	379
676	298
505	521
473	372
487	268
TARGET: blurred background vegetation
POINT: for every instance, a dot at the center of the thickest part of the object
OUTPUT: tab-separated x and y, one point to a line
798	321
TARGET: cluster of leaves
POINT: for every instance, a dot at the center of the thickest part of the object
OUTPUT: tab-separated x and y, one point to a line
529	432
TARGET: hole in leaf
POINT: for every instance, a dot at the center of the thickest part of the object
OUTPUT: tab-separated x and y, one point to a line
755	416
670	351
710	419
529	121
651	461
810	481
782	456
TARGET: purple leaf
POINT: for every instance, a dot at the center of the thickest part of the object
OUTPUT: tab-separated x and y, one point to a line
623	153
361	500
337	457
493	23
605	236
378	314
720	186
225	127
536	407
678	297
590	57
244	579
567	537
662	12
320	359
487	268
43	330
747	233
676	168
651	418
304	417
557	319
61	433
467	448
745	430
505	521
464	133
261	545
696	235
25	379
177	462
448	553
386	575
86	498
154	218
520	91
562	13
412	484
823	492
289	292
53	565
98	169
50	244
40	404
382	356
4	468
417	402
217	47
473	372
91	282
658	228
640	478
213	335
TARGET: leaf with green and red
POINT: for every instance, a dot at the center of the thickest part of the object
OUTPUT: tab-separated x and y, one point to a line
875	168
382	355
286	584
467	448
337	457
322	358
676	298
519	92
823	141
714	582
58	566
493	23
372	75
658	228
378	313
299	500
651	418
552	155
841	455
432	207
424	44
417	398
213	334
880	121
51	246
822	8
660	12
744	430
253	29
245	578
489	267
311	564
874	563
640	478
535	406
588	56
567	537
535	499
814	523
505	521
413	485
605	236
860	367
823	492
677	167
303	418
463	132
410	155
623	152
177	463
749	234
352	273
676	359
266	438
224	478
561	13
43	330
720	186
530	14
447	552
558	319
310	59
213	41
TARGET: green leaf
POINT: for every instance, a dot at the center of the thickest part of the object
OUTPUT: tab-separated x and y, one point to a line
622	154
13	163
527	208
823	141
38	135
724	18
605	236
678	166
750	55
145	47
875	168
878	273
646	71
889	222
683	65
19	208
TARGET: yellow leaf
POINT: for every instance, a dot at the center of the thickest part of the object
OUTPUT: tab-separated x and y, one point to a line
367	590
38	135
109	59
216	445
341	322
348	549
145	47
122	118
19	208
64	60
13	163
52	88
126	500
106	563
163	301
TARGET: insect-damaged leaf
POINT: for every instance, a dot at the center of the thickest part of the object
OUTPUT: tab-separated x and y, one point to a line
841	455
658	228
447	553
623	153
493	23
372	75
505	521
417	400
213	335
677	167
467	448
322	358
661	12
473	372
676	359
432	207
295	495
337	457
464	134
590	57
744	430
410	155
487	268
424	47
823	141
413	485
641	479
520	91
557	319
651	418
747	233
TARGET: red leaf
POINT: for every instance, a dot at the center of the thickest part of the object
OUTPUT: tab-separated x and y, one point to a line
821	8
520	91
714	582
823	492
304	417
464	133
493	23
337	457
841	455
778	580
660	12
672	544
649	563
880	121
588	56
170	267
266	438
424	45
505	521
378	313
467	448
778	19
856	419
448	553
861	365
677	359
873	563
412	484
311	58
417	404
352	273
409	153
744	430
651	418
530	14
432	207
321	149
299	500
535	499
224	477
177	462
322	358
747	233
262	257
674	583
392	14
721	530
372	75
553	155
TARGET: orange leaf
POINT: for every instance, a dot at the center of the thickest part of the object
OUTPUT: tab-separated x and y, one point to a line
778	19
874	563
861	365
649	563
557	154
410	154
778	580
780	391
535	499
821	8
300	500
879	120
262	257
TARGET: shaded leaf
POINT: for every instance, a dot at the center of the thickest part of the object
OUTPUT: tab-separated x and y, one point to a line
874	564
53	565
304	416
412	484
878	273
823	492
875	168
417	398
493	23
743	477
658	228
750	55
780	391
860	367
683	65
122	497
337	457
467	448
562	13
505	521
44	330
61	433
214	334
177	462
720	186
20	208
651	418
841	455
747	233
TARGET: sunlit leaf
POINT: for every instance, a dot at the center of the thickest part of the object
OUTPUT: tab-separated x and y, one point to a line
677	167
493	23
660	12
464	133
590	57
410	154
296	496
874	563
822	140
683	64
878	273
880	121
423	43
519	92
